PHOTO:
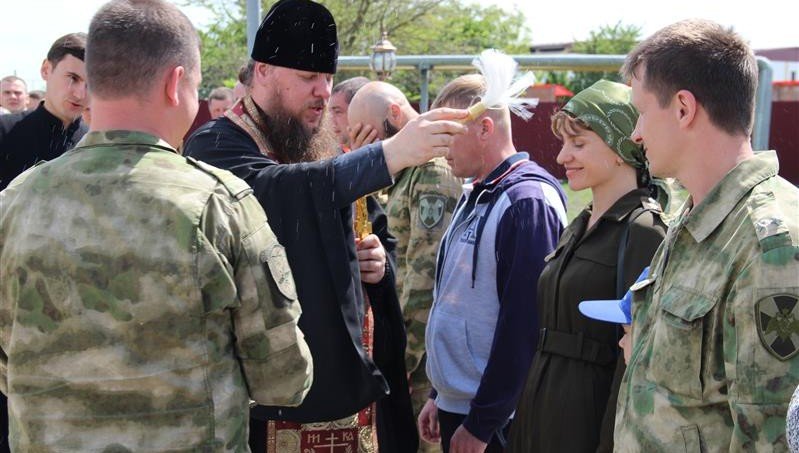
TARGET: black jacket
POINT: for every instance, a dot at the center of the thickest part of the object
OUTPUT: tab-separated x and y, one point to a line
29	137
308	206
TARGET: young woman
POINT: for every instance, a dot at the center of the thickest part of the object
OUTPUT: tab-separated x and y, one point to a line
569	400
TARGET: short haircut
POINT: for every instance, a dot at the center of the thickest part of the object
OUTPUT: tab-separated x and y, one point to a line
72	44
12	79
465	91
712	62
461	92
246	72
349	87
221	94
132	41
36	94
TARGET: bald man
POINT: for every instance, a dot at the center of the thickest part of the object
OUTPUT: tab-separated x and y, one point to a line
420	204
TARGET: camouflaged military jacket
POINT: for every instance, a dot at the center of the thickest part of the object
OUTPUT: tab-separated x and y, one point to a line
716	326
144	300
419	208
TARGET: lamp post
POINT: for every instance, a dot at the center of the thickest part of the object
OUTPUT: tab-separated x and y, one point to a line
384	58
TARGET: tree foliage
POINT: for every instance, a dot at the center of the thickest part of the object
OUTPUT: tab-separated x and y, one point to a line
416	27
616	39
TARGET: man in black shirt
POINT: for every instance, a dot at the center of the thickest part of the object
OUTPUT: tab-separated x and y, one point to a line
55	126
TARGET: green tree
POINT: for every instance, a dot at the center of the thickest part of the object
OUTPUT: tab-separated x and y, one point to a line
415	26
616	39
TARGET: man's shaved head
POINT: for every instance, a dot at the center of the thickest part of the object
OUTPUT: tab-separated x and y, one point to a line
378	103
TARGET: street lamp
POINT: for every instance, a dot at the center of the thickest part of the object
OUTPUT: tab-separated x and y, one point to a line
384	58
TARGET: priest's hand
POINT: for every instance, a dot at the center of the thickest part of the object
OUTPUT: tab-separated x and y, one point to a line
427	136
464	442
371	259
361	135
428	423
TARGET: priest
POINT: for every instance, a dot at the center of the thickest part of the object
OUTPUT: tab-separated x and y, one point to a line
276	140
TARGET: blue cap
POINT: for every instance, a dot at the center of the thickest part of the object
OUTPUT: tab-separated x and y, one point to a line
613	310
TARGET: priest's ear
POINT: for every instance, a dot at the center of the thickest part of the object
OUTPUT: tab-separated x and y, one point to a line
261	73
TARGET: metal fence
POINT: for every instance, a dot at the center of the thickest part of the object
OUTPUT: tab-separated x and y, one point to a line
565	62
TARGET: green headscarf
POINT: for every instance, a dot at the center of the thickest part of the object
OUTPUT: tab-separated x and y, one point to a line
606	108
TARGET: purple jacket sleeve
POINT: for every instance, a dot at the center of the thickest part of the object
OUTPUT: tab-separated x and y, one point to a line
528	231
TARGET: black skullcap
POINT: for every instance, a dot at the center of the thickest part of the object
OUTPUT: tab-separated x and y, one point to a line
298	34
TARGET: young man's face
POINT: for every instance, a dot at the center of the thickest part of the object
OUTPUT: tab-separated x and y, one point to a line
301	94
657	129
13	96
66	88
338	117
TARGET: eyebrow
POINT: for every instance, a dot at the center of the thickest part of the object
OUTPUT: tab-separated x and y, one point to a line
70	73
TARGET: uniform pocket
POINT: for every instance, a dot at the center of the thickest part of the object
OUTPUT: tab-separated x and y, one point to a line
676	359
690	435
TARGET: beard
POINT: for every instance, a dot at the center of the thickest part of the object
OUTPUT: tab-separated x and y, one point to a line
292	142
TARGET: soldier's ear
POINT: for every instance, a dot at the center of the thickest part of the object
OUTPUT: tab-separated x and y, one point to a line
685	107
172	85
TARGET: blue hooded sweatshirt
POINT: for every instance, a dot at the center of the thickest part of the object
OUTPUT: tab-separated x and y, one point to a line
483	327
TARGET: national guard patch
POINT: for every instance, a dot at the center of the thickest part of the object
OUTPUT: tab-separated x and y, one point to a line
431	209
778	324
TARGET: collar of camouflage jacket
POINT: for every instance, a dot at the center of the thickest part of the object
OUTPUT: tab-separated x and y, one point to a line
122	137
720	201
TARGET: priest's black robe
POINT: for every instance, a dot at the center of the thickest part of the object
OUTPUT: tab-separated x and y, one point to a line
309	207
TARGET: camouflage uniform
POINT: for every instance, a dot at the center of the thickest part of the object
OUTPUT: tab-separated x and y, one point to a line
419	208
716	326
144	301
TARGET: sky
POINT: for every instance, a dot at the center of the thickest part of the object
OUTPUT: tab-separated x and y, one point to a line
27	32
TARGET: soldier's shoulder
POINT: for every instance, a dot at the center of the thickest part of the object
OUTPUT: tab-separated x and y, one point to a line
234	185
436	172
437	165
772	207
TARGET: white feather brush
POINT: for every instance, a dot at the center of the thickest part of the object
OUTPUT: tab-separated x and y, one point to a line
499	71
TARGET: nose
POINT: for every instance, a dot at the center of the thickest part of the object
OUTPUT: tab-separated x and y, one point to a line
563	155
323	87
80	89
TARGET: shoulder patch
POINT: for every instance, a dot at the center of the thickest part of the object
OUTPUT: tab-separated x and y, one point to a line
431	209
234	185
778	324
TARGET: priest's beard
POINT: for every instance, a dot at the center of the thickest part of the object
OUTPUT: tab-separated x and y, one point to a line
292	142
